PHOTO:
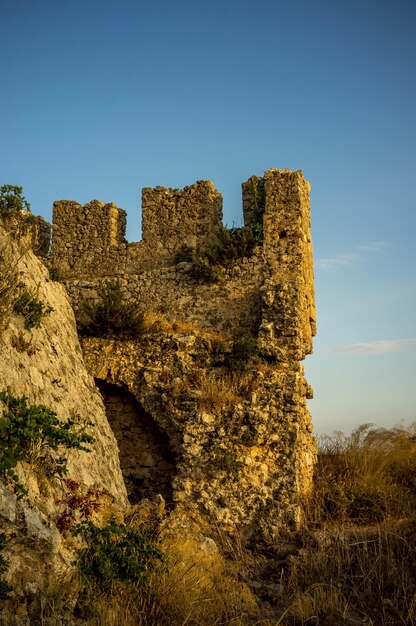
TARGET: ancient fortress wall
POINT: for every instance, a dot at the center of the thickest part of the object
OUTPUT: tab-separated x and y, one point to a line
251	457
88	238
89	244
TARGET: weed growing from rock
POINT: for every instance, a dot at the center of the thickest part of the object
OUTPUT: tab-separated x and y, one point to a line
233	243
55	273
31	309
184	254
110	314
215	392
226	460
243	350
23	344
28	433
229	245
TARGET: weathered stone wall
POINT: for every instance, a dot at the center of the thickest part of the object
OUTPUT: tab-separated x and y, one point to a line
288	313
274	285
253	200
243	442
251	457
173	217
174	293
88	239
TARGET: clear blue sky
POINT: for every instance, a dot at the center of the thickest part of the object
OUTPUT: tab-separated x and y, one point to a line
100	98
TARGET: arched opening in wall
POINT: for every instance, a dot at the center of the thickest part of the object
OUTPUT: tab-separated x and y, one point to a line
146	461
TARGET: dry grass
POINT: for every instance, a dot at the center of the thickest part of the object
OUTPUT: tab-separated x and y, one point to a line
353	577
356	563
215	392
366	477
159	322
196	589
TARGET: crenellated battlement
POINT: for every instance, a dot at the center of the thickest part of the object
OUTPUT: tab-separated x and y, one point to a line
174	217
89	244
265	294
88	239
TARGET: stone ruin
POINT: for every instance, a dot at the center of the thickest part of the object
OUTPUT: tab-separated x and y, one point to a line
236	446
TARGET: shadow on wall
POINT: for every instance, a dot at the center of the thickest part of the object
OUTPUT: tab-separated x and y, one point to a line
146	461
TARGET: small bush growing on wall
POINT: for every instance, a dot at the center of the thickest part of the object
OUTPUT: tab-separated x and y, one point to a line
184	254
32	309
244	349
226	460
203	271
229	245
110	315
55	273
234	243
115	553
30	432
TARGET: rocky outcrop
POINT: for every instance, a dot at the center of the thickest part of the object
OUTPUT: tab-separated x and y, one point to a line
46	366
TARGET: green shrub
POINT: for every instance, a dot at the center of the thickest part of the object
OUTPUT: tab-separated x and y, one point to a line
32	309
184	254
115	553
230	244
30	432
5	588
243	350
55	273
203	271
110	315
233	243
225	459
15	212
12	201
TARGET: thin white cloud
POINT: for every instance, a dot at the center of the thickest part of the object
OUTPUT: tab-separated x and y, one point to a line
338	260
374	246
383	346
350	258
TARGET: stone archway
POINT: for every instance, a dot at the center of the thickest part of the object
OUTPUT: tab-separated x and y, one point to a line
146	460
